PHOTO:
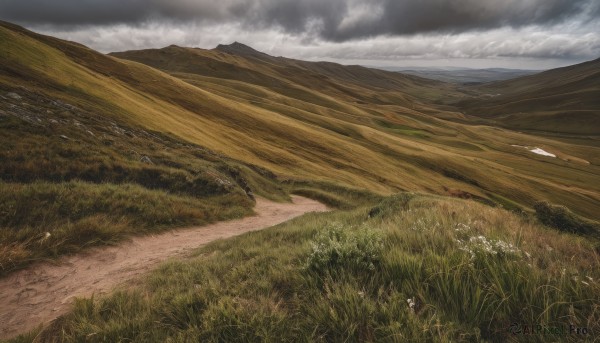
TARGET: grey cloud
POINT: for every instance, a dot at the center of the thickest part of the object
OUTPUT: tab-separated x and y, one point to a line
333	20
108	12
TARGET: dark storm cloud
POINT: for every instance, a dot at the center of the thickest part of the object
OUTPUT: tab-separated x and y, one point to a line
107	12
334	20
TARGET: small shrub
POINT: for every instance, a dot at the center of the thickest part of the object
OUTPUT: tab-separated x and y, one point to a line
337	247
561	218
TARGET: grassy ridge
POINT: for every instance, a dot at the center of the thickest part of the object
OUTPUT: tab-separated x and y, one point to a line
411	268
43	220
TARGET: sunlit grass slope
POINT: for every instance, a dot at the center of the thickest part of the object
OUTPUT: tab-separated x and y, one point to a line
407	268
389	114
348	125
73	176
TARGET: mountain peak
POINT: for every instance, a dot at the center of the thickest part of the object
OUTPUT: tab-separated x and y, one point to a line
237	48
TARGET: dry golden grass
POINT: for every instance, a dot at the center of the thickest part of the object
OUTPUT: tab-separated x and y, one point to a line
342	129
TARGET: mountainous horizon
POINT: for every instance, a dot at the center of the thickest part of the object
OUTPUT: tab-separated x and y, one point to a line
309	93
241	48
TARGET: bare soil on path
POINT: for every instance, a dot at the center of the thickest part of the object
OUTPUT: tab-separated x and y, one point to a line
44	291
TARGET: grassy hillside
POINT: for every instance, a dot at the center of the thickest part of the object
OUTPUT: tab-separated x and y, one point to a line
409	268
563	100
356	126
72	176
386	113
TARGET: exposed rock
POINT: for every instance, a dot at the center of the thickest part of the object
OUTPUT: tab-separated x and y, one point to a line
146	159
116	129
64	137
14	96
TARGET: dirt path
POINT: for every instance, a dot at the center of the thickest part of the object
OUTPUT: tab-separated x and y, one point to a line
45	291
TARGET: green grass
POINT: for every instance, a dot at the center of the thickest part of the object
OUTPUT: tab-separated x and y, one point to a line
563	219
42	220
331	194
419	268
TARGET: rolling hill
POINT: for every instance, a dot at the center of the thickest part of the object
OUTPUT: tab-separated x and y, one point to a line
406	111
564	100
349	125
464	76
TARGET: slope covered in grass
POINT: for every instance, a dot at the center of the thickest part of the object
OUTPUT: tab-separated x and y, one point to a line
384	113
304	121
410	268
72	165
563	100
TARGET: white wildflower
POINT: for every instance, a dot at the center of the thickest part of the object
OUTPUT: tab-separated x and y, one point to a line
491	247
46	236
411	304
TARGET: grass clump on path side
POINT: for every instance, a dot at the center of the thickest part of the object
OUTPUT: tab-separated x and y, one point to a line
41	220
428	269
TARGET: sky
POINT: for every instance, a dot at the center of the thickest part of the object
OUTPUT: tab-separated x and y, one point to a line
524	34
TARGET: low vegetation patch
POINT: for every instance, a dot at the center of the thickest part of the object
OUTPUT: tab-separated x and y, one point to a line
419	269
561	218
41	220
333	195
336	247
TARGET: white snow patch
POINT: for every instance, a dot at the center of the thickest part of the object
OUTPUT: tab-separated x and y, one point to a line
536	150
542	152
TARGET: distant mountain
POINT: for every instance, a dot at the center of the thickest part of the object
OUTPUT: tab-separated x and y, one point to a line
308	81
563	100
464	75
240	49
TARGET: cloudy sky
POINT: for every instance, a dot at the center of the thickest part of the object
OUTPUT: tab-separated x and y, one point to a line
533	34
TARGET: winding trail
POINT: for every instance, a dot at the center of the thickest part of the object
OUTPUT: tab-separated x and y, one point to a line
44	291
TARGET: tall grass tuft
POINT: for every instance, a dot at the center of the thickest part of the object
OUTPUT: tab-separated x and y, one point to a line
43	220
